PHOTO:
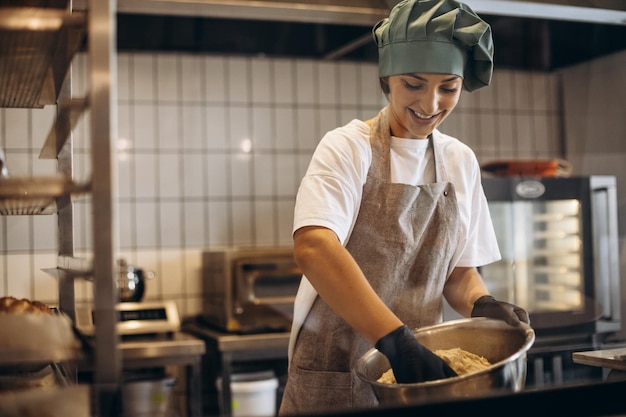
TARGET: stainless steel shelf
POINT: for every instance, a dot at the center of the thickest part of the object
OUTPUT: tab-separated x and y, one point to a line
41	356
36	195
37	46
30	339
63	274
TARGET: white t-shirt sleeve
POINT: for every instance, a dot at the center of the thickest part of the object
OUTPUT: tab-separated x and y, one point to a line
330	192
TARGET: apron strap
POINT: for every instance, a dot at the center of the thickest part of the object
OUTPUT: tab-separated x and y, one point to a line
380	138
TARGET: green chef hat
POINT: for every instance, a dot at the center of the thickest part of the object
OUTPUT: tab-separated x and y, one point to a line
436	36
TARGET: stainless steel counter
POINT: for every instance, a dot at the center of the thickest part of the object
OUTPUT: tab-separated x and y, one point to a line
144	351
230	348
167	349
173	349
239	343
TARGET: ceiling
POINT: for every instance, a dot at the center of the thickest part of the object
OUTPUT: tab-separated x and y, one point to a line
538	35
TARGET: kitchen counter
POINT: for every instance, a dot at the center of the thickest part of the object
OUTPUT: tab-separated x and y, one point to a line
600	399
229	348
145	351
239	344
161	350
612	359
609	358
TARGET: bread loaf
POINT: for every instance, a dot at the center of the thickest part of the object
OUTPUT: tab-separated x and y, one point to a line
32	326
13	305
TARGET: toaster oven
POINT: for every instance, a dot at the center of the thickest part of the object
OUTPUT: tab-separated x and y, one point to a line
249	290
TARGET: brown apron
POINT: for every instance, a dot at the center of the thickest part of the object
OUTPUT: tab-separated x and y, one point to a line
403	240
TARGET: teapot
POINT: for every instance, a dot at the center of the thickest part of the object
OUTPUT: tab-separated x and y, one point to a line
131	282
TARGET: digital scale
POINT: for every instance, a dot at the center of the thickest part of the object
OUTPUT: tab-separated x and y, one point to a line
146	317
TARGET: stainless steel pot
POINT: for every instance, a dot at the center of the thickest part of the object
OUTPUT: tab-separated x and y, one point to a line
502	345
131	282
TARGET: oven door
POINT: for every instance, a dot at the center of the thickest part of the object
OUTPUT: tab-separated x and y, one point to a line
548	230
265	291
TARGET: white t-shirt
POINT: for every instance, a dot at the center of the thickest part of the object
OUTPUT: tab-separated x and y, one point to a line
331	190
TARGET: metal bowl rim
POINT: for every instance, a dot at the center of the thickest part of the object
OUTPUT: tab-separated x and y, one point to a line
528	342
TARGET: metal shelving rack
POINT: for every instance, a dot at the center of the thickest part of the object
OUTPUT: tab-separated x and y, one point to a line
38	41
103	104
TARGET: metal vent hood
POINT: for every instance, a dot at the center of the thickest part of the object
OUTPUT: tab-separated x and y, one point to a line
368	12
529	34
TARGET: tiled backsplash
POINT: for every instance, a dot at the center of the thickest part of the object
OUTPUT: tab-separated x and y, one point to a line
212	149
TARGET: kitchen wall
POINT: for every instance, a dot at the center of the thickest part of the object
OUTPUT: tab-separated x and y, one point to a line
211	150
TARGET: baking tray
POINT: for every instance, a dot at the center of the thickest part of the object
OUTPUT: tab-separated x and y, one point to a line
38	45
28	340
36	195
15	358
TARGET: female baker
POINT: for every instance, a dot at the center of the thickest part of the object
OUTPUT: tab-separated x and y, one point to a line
391	216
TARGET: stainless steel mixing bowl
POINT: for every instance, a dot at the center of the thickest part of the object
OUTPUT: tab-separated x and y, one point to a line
502	345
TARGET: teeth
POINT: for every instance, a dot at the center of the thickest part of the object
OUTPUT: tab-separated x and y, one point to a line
422	116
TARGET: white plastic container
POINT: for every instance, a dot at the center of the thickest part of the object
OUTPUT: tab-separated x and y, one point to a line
148	398
252	394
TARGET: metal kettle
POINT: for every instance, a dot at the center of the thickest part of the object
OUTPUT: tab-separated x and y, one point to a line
131	282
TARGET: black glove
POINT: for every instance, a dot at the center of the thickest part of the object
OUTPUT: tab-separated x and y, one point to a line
410	361
487	306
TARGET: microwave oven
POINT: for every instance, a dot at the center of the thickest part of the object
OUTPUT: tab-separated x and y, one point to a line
249	290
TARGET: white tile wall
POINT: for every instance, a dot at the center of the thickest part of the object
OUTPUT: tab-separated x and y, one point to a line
212	149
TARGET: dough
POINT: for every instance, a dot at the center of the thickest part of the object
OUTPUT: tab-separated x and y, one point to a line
461	361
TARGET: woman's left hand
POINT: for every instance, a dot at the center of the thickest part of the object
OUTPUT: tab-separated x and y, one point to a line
487	306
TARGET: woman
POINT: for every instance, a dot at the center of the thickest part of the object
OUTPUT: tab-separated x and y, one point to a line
391	217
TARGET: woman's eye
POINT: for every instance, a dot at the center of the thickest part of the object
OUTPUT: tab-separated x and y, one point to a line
412	86
450	90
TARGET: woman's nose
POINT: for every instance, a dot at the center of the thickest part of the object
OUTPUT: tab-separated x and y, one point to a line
430	103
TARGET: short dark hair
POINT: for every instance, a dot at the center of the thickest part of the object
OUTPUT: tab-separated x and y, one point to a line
384	85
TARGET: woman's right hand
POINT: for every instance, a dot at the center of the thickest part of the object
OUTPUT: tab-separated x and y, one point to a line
487	306
411	361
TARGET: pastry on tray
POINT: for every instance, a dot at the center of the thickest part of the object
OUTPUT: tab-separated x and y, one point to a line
14	305
30	326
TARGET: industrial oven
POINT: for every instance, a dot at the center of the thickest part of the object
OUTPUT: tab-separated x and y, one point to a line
558	237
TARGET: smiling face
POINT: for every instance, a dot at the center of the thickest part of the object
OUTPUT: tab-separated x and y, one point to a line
420	102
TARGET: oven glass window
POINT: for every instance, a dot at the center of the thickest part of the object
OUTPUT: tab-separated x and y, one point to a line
542	267
275	285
